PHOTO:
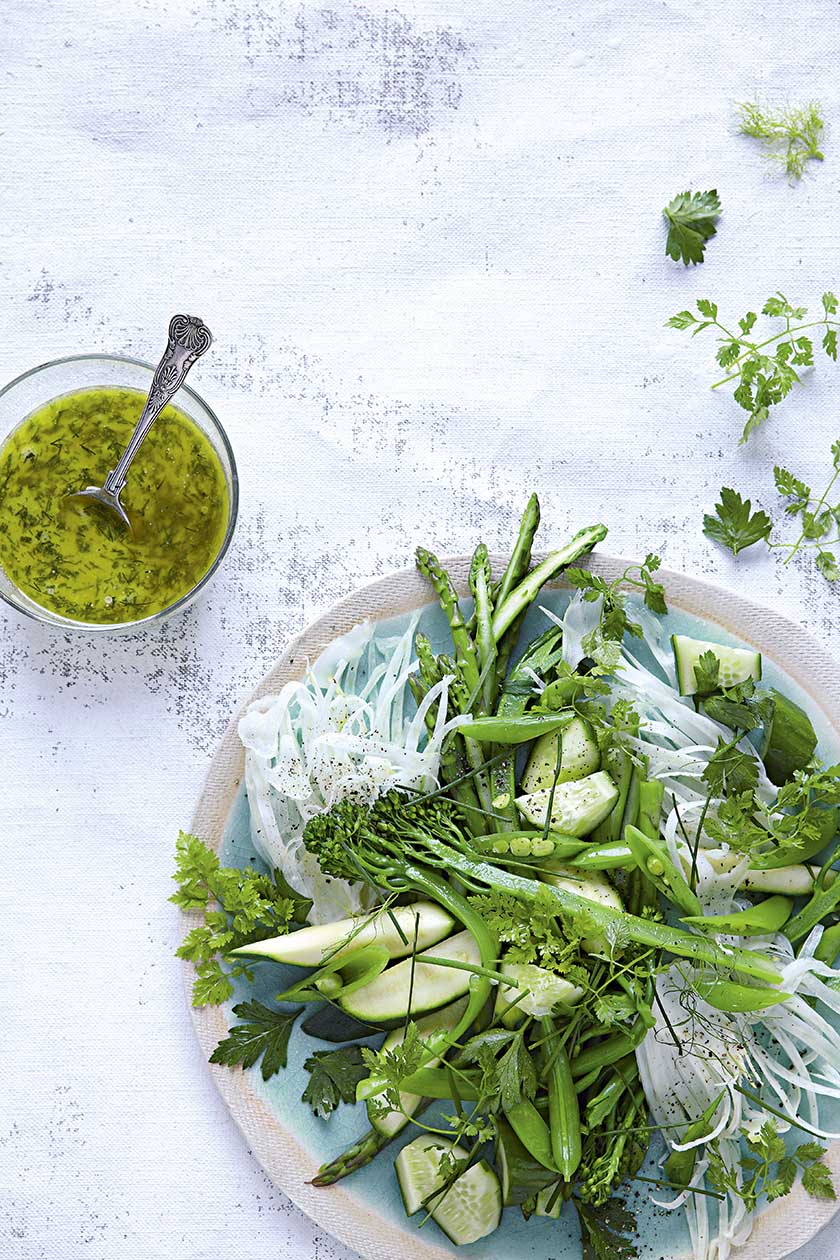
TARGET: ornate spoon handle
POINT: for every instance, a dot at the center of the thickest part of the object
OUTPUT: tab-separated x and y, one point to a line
189	338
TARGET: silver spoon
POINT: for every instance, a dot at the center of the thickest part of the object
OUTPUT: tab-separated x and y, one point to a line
189	338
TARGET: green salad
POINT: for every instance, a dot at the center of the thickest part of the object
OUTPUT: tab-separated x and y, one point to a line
555	902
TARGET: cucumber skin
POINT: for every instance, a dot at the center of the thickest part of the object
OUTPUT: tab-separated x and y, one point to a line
579	757
525	1175
787	745
453	984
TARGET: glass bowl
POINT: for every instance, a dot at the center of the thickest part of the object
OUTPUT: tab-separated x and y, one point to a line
39	386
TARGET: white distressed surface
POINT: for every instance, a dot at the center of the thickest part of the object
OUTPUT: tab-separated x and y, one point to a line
427	239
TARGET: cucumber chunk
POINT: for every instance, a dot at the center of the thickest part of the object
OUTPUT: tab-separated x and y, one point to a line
312	946
579	756
550	1201
418	1168
393	1121
736	664
385	999
520	1175
595	887
578	806
472	1206
545	991
789	740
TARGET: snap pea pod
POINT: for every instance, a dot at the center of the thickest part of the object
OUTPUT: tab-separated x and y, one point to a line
530	844
679	1166
728	995
791	855
501	729
758	920
533	1132
829	946
602	857
823	902
613	1048
437	1083
653	860
563	1112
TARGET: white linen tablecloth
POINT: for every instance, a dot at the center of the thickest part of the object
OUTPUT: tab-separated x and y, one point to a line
427	238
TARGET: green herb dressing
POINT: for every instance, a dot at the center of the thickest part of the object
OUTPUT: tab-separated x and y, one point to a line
65	554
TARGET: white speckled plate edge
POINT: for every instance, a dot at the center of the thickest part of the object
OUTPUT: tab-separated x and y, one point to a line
783	1226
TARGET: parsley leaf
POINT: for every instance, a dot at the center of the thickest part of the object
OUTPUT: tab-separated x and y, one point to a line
264	1033
734	524
691	221
605	1232
706	672
333	1077
730	770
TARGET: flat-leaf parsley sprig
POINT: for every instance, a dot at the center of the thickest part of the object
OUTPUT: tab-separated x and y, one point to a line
737	527
763	377
691	221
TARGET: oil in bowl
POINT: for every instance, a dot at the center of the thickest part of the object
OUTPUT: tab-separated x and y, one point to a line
70	558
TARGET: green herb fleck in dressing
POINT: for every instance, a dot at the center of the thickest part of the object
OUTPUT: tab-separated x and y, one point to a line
64	554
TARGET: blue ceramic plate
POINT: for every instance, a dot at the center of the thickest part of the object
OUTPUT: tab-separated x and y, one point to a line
366	1210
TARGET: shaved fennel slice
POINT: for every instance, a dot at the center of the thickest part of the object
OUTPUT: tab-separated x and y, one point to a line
790	1050
329	737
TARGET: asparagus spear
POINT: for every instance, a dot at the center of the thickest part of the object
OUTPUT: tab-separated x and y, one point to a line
465	653
520	557
526	592
356	1156
480	581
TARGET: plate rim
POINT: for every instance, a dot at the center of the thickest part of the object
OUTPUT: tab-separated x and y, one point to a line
284	1160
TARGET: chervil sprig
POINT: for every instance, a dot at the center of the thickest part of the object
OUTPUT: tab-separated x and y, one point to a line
819	519
763	377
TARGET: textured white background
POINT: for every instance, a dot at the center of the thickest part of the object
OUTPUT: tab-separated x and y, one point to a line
427	239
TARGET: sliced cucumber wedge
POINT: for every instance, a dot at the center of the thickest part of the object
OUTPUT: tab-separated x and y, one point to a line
472	1206
789	740
736	664
521	1176
579	756
594	886
385	1000
550	1201
392	1122
312	946
577	808
418	1168
545	991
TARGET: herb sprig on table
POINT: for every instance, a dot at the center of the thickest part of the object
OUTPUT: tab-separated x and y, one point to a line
737	527
691	219
791	134
763	377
